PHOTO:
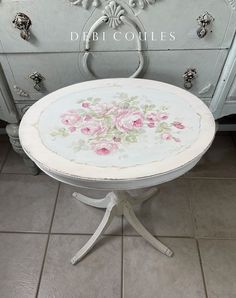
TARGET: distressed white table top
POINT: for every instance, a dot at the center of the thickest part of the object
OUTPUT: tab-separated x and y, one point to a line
117	129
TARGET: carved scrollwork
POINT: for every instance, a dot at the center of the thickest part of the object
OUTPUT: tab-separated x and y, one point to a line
141	3
20	92
24	109
86	3
233	4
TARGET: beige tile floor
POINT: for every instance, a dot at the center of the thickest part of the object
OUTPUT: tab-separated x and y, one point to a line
42	226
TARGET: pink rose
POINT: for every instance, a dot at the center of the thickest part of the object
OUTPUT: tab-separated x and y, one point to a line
151	124
85	104
70	118
72	128
104	147
102	109
162	116
152	117
128	120
87	118
166	136
92	127
178	125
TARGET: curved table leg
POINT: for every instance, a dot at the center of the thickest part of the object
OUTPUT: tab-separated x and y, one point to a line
139	196
140	229
98	203
108	217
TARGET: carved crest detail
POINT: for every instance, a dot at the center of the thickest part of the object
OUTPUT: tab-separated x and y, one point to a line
113	12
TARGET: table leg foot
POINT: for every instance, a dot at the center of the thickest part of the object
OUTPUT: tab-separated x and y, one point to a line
107	219
140	229
98	203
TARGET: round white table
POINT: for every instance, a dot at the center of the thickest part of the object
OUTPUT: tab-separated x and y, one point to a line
123	135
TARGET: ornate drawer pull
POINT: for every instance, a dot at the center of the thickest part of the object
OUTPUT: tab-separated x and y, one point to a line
23	23
204	20
189	75
113	16
37	78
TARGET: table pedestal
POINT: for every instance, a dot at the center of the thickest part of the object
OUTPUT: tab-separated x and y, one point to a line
119	203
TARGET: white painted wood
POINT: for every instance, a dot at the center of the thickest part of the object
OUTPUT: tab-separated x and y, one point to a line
183	25
223	87
140	229
52	24
231	97
98	203
122	178
7	108
107	219
118	204
51	14
166	66
114	178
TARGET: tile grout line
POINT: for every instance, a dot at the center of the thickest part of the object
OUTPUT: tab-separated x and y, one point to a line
117	235
24	232
193	219
47	242
201	266
122	257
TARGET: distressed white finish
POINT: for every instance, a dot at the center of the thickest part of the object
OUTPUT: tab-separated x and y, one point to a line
220	106
7	109
125	180
155	18
85	3
113	15
117	204
68	168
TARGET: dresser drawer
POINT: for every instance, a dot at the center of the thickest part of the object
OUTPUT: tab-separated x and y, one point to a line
59	70
165	66
52	24
63	69
180	17
22	107
59	26
172	24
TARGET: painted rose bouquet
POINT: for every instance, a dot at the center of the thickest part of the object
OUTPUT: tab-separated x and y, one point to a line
106	127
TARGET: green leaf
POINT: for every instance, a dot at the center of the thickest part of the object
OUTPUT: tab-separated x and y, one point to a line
60	132
131	139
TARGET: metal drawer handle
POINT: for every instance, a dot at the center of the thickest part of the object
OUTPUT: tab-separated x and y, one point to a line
204	21
37	79
23	23
113	16
189	75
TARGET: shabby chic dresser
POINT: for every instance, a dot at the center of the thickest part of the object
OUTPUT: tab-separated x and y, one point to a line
46	45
